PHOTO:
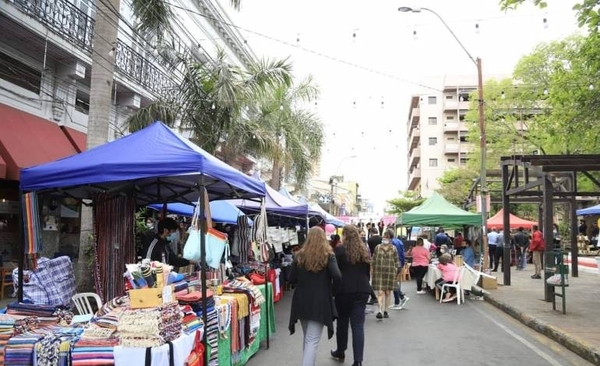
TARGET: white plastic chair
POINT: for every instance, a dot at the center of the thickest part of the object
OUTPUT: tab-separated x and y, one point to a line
82	302
460	295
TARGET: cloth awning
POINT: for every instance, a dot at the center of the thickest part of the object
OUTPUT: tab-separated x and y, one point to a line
77	138
436	211
594	210
514	221
2	168
27	140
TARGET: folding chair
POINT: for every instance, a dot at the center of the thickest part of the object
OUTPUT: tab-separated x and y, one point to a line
460	295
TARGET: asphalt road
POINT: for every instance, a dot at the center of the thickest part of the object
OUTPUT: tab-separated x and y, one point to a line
428	333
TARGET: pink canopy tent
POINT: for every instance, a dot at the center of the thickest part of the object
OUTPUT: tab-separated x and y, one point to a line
498	221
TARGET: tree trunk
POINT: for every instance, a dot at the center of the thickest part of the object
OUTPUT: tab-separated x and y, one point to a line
276	174
103	65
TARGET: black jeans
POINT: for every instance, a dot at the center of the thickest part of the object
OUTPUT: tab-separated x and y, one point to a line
420	272
499	255
491	254
351	311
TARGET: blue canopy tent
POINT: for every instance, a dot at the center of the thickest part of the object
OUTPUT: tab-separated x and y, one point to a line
276	203
156	164
594	210
329	218
221	211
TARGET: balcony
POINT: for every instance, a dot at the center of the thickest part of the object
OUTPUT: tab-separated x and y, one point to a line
60	17
77	28
415	116
451	149
450	127
414	138
452	105
414	157
414	178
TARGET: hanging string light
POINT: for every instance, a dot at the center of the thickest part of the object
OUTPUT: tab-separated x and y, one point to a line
503	96
591	87
545	21
476	28
545	91
415	35
281	107
213	106
298	38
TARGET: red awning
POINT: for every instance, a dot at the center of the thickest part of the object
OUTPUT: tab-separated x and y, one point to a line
27	140
78	139
498	221
2	168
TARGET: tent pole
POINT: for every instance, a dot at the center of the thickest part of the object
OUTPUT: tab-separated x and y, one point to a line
202	243
22	250
267	298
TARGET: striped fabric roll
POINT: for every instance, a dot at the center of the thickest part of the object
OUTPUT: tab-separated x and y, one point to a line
32	229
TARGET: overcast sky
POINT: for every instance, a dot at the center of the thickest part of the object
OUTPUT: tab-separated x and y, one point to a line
367	62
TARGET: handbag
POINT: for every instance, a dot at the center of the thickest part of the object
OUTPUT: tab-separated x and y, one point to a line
196	357
215	240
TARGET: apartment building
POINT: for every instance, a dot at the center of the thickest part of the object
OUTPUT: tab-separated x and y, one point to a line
437	134
45	71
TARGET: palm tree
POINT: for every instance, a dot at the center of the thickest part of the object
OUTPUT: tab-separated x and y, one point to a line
278	128
211	98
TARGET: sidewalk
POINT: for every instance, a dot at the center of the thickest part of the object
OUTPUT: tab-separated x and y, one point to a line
578	330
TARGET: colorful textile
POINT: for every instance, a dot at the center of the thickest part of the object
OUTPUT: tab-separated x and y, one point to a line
93	352
150	327
19	350
32	229
52	283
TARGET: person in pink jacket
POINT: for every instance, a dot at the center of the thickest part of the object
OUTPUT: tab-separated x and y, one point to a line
420	263
449	270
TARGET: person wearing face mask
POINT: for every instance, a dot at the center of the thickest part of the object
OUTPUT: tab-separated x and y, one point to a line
159	248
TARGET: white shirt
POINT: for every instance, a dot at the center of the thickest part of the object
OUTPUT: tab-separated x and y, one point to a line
426	244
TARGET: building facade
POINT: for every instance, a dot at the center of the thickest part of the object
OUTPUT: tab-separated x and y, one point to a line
45	71
437	134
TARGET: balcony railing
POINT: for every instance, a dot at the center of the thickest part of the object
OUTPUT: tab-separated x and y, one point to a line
77	28
142	71
62	18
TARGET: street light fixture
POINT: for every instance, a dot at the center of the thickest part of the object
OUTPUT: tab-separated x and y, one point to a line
482	137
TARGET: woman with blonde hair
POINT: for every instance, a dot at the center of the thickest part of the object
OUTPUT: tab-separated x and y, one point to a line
352	293
313	270
386	266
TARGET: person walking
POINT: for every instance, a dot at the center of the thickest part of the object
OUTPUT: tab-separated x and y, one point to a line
521	244
400	299
351	294
385	268
499	254
537	248
420	264
313	271
492	237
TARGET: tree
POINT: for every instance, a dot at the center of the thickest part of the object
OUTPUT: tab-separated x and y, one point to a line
211	98
405	202
588	11
455	184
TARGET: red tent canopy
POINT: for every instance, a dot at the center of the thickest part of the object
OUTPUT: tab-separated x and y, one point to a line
515	222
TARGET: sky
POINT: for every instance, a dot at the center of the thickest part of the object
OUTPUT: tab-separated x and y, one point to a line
367	62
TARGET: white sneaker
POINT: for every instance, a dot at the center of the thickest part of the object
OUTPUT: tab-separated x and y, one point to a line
396	307
404	301
422	292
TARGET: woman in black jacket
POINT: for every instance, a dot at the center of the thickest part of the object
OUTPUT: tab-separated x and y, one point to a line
352	293
314	270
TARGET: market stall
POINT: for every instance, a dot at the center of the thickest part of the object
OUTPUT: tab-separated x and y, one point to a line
153	165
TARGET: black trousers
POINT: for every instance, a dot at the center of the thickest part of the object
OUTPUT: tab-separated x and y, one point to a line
419	272
351	312
492	254
499	255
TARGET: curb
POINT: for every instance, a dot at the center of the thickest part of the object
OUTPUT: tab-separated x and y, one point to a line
581	348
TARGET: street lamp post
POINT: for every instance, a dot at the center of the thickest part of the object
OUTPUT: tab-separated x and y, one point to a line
482	138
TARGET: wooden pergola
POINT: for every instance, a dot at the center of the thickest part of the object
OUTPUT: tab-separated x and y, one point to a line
546	180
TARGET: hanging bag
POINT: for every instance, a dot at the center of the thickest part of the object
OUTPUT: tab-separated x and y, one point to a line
216	241
196	357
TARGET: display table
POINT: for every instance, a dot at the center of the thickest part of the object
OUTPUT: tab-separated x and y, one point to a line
241	358
182	346
468	279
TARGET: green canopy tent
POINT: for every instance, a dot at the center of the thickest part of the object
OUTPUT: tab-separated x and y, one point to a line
436	211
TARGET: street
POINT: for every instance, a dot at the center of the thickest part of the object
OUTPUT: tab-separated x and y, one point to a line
428	333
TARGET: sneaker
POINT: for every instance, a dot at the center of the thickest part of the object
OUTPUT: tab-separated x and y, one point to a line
396	307
379	315
404	301
385	314
422	292
369	311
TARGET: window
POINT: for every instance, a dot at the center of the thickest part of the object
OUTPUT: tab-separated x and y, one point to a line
451	139
432	141
432	100
82	102
462	118
463	161
432	120
450	118
464	139
451	160
433	162
18	73
449	97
